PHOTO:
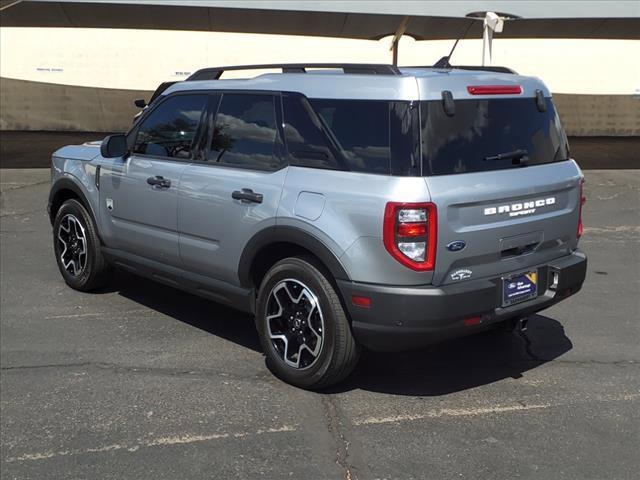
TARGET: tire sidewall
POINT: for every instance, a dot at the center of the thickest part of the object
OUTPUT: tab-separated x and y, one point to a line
76	209
297	269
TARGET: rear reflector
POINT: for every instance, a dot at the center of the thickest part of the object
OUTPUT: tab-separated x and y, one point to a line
471	321
412	229
583	200
359	301
494	89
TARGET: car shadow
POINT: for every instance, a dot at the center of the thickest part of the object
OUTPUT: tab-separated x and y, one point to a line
439	369
460	364
208	316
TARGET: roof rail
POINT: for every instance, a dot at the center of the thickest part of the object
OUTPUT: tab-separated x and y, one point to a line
214	73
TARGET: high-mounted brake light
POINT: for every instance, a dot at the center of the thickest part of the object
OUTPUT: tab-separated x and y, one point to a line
410	232
583	200
494	89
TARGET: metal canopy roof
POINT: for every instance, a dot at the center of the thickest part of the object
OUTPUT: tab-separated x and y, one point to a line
423	20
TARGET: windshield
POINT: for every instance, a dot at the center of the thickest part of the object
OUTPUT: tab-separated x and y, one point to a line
489	134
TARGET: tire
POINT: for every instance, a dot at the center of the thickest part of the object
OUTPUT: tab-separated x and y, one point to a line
338	353
74	228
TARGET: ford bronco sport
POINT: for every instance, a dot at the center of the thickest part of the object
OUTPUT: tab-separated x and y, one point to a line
344	206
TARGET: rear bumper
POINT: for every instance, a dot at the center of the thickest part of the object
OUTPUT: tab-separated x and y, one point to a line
402	318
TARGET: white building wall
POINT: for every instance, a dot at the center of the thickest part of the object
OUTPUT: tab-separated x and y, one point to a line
140	59
596	82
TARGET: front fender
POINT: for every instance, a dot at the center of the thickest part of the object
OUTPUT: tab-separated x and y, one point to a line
68	182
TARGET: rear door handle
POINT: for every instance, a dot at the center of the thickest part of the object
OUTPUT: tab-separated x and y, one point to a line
159	181
248	195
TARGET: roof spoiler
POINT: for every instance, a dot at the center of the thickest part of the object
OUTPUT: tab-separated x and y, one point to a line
214	73
444	64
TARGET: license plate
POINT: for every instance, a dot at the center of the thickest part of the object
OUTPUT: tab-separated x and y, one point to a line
519	288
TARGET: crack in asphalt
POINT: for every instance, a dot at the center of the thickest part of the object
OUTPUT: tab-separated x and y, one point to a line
335	426
528	346
11	186
190	372
616	363
20	214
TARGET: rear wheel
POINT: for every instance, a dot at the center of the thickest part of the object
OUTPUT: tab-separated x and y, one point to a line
77	248
302	326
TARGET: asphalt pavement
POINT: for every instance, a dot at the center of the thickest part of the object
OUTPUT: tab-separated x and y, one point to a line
140	381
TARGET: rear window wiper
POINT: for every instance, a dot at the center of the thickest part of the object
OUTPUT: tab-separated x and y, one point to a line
518	156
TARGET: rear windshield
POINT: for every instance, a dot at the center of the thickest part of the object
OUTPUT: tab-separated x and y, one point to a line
489	134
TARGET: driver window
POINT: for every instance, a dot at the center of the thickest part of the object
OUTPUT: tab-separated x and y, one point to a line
169	130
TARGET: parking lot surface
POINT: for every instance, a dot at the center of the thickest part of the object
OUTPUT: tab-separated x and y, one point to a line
142	381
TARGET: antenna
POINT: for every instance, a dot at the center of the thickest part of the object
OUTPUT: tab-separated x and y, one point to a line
444	61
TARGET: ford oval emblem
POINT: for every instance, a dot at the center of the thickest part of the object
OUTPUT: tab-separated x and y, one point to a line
456	246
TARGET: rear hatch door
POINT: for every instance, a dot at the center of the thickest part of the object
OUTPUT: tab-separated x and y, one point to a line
507	194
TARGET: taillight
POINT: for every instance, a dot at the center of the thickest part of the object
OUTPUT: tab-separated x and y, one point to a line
494	89
583	200
410	232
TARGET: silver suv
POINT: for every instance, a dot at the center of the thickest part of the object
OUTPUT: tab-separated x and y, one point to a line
345	206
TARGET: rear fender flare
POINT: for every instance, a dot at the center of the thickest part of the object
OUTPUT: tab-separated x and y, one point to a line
287	234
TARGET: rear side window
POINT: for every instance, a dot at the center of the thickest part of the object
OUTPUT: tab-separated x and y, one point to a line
245	133
170	129
480	130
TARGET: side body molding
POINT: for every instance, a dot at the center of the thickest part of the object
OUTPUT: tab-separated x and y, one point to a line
287	234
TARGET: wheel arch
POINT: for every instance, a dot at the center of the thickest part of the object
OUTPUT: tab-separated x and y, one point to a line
278	242
63	190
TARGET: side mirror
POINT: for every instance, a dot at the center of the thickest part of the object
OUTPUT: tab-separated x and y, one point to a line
114	146
140	103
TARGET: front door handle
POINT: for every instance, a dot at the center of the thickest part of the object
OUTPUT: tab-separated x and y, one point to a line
159	181
246	194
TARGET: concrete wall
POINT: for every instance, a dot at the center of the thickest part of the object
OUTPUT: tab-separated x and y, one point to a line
26	105
599	115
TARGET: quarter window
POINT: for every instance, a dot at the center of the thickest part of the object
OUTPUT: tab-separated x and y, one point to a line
245	132
361	128
306	139
170	129
369	136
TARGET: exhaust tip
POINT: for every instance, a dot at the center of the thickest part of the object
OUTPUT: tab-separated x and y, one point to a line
523	324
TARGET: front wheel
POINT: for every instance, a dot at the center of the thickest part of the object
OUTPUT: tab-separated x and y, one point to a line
77	248
302	326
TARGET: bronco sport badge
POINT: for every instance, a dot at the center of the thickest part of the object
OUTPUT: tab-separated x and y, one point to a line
523	208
